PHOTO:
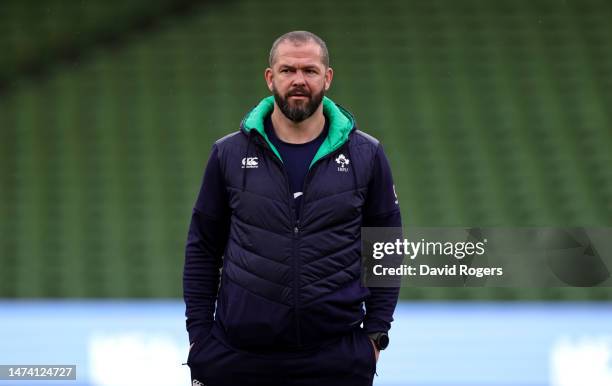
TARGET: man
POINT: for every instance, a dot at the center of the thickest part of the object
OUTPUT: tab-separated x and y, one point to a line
275	240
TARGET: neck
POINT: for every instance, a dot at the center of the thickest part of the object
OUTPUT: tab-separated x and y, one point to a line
298	132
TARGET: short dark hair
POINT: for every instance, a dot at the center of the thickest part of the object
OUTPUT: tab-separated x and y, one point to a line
300	37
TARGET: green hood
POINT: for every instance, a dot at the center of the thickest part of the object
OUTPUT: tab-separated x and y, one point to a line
341	122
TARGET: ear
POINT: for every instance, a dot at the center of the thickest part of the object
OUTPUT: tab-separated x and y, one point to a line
329	74
268	76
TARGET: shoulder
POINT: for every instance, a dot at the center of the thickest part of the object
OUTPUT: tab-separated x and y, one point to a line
230	139
363	138
363	149
231	143
230	147
364	143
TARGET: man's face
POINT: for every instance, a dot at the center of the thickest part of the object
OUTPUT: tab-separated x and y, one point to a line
298	79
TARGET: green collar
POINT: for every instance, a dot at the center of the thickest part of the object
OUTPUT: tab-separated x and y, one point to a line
341	123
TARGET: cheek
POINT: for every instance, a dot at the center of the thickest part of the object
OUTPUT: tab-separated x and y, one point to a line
318	85
280	83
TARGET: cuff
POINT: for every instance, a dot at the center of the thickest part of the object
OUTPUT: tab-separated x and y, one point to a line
198	329
371	325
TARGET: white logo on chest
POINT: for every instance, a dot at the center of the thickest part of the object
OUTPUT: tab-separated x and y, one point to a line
249	163
343	162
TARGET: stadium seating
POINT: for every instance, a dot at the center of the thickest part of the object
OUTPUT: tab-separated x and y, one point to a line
492	114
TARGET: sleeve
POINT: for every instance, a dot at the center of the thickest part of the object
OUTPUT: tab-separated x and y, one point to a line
381	209
206	241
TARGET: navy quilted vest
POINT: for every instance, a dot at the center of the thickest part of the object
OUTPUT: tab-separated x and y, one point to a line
291	283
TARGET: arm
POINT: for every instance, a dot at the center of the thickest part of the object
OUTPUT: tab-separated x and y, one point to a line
381	210
206	240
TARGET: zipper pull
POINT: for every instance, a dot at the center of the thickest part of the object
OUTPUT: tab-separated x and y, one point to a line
296	229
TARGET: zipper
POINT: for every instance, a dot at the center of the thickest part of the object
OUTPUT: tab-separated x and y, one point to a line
296	229
296	234
296	281
296	222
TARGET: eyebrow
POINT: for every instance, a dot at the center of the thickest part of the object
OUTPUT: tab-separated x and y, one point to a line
307	67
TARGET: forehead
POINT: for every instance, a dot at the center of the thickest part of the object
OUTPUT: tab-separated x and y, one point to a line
290	53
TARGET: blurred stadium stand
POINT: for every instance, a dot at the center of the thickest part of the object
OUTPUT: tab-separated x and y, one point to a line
492	114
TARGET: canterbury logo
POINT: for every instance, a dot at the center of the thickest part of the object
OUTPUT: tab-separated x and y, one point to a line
195	382
342	161
249	162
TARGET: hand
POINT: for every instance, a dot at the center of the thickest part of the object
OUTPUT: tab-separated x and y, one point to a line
376	350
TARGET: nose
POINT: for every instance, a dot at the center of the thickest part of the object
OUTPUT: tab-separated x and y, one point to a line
299	78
